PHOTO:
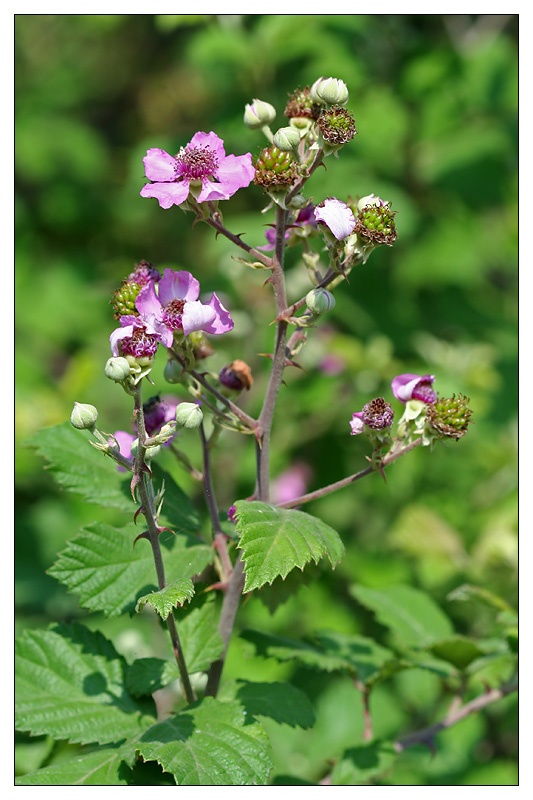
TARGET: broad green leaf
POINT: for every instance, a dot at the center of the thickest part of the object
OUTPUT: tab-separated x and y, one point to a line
411	614
282	702
70	685
330	652
200	640
80	468
276	540
359	765
468	592
458	650
173	595
210	744
104	767
109	574
146	675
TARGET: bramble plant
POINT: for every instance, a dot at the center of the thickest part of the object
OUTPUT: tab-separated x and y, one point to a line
72	684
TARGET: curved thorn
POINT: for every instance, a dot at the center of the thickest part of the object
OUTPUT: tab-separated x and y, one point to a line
143	535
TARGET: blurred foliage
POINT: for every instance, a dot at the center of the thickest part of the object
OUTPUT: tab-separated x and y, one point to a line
435	103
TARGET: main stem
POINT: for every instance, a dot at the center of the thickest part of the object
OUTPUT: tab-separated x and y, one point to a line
262	491
146	496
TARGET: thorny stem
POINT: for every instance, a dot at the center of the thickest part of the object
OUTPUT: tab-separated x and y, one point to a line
215	222
219	539
393	454
146	496
236	582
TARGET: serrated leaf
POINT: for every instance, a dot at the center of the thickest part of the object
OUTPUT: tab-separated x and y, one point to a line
70	685
200	640
411	614
276	540
173	595
359	765
468	592
210	744
104	767
458	650
147	675
109	574
80	468
284	649
282	702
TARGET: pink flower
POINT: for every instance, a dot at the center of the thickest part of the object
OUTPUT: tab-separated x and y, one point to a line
124	441
202	168
138	337
414	387
337	216
177	307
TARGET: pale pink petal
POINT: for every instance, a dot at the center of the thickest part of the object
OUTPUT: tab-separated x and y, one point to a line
178	285
147	302
356	423
233	173
222	322
209	140
168	194
196	316
117	335
159	165
337	216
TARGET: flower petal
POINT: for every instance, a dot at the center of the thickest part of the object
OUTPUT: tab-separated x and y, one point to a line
147	302
233	173
222	323
117	335
159	165
178	285
356	423
168	194
337	216
196	316
211	141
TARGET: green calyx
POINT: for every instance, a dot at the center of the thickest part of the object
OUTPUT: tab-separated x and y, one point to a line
275	168
123	300
449	416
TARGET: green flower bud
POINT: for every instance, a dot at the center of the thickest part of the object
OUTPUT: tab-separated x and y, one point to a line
319	301
258	114
150	452
173	371
83	416
330	91
287	139
189	415
117	369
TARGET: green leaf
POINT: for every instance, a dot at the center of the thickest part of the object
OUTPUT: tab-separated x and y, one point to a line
70	685
109	574
147	675
282	702
80	468
458	650
210	744
468	592
200	640
411	614
275	540
173	595
359	765
104	767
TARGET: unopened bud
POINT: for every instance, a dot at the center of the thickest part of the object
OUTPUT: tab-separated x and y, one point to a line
83	416
149	453
173	371
189	415
258	114
319	301
117	369
287	139
330	91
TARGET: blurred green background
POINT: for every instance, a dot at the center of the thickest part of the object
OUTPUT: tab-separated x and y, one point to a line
435	103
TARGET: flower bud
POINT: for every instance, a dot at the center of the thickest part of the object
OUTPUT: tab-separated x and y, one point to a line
319	301
150	452
258	114
83	416
330	91
236	376
117	369
173	371
287	139
189	415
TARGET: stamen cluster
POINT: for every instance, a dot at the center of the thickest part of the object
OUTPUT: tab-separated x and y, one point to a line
378	414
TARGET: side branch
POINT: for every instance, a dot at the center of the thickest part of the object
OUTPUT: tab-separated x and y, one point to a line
216	223
427	735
